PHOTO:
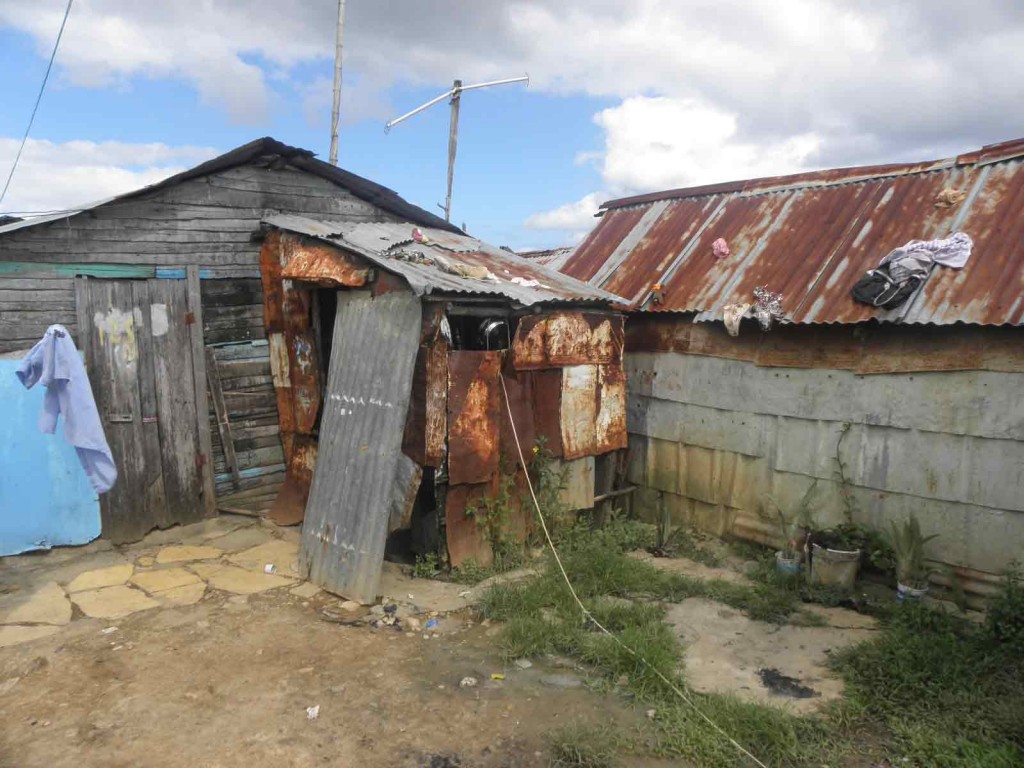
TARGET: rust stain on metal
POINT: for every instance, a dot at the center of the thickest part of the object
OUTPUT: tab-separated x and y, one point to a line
811	236
601	243
426	425
466	538
520	399
547	405
295	368
567	338
593	413
473	402
876	350
322	264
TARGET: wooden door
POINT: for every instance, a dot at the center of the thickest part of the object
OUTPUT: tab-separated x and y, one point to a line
138	349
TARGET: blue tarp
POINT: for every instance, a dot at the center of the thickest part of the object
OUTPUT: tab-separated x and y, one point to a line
45	497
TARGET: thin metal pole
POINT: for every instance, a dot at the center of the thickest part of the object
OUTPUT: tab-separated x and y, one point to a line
453	141
336	105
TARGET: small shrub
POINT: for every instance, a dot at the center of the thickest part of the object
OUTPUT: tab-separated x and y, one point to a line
1005	621
426	566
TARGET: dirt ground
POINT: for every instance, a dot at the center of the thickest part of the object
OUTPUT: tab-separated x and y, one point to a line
226	681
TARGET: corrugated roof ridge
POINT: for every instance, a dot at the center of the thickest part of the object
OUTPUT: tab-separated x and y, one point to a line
990	153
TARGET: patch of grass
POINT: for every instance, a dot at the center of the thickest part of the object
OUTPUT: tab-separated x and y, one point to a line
582	746
950	697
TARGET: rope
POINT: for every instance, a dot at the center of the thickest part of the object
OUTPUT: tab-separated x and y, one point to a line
586	612
39	98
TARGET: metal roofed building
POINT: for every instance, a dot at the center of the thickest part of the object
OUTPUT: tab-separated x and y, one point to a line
160	289
918	409
396	353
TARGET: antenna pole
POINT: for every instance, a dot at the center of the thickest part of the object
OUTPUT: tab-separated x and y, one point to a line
336	104
453	142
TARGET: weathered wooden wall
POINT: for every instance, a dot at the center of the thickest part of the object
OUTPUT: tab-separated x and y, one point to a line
710	436
208	222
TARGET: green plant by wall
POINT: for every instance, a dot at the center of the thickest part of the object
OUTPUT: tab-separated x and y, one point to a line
1004	623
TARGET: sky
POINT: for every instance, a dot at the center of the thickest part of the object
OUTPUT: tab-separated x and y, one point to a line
625	96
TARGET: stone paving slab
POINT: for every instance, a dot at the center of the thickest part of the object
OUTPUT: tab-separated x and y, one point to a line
14	635
100	577
163	579
113	602
239	581
187	594
46	605
182	554
283	554
305	590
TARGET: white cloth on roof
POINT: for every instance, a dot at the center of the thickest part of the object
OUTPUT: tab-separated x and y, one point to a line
915	258
732	314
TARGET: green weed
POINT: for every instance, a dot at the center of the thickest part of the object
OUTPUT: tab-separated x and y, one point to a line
582	746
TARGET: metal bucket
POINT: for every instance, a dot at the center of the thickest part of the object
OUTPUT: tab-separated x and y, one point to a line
787	565
833	567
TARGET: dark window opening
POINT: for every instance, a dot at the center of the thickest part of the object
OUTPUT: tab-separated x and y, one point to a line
423	534
481	332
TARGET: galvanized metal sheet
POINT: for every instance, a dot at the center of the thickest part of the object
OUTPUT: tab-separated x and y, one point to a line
406	485
567	338
593	412
811	236
443	262
369	381
473	402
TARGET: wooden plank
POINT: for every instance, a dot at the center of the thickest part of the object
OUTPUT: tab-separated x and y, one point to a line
195	306
82	318
176	400
221	410
113	374
58	299
154	502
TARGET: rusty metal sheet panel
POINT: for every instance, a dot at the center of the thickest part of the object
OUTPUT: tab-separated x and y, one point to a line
466	539
601	243
546	394
520	399
567	338
369	381
426	427
405	486
321	264
989	289
473	402
593	413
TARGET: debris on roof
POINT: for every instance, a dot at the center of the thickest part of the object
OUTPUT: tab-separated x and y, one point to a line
811	236
439	261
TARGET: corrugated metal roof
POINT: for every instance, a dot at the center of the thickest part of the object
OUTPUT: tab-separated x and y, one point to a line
441	262
274	151
811	236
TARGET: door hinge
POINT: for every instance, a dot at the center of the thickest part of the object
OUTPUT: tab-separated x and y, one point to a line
190	318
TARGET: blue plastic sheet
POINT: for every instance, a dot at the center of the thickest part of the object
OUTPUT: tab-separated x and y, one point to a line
45	497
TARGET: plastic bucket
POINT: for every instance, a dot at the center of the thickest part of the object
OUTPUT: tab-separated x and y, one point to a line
787	565
833	567
903	593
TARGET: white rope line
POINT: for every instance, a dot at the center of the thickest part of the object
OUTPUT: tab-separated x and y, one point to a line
586	612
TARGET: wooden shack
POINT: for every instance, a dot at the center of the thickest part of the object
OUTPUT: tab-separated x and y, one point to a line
161	290
407	360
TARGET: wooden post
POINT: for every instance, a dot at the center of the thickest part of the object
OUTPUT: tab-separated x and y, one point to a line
195	307
453	142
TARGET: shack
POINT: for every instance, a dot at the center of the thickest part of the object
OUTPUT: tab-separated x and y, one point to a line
407	362
161	290
912	410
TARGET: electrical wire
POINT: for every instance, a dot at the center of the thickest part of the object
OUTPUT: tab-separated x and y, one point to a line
39	98
586	612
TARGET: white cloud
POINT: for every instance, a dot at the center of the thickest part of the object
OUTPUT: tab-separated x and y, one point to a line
571	216
661	143
60	175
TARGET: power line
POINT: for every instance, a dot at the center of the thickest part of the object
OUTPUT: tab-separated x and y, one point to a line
39	98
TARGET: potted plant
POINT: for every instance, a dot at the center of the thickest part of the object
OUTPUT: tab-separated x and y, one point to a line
794	528
835	557
908	548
